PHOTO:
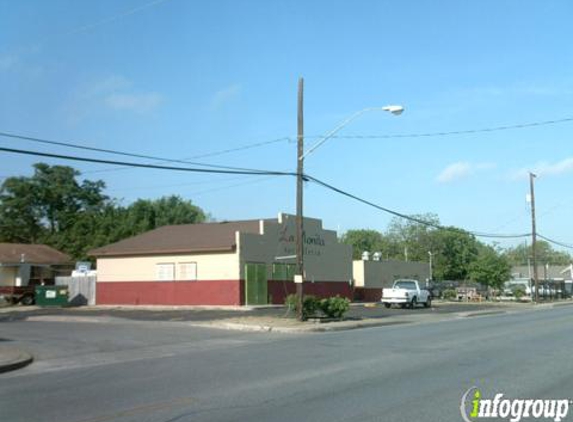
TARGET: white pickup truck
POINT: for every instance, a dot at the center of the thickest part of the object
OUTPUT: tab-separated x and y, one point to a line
406	293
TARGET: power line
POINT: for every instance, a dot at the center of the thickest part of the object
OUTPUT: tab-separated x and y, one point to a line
212	154
220	188
555	242
242	148
454	132
408	217
110	19
286	138
114	152
149	166
264	173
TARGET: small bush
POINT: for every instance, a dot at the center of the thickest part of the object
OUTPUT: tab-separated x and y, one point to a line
519	293
335	307
332	307
310	305
449	294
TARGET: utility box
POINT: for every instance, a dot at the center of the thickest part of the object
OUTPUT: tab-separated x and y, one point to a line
52	295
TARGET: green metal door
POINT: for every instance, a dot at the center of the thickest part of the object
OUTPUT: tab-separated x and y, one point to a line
256	284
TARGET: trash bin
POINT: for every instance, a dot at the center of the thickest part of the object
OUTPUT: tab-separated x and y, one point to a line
51	295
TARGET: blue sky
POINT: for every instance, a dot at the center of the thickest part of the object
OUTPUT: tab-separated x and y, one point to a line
185	78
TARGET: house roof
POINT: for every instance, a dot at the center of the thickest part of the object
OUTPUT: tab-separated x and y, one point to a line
12	253
185	238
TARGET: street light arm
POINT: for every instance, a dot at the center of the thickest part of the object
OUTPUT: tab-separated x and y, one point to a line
396	110
334	131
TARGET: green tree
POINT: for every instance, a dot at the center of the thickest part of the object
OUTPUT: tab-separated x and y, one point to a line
520	254
43	207
144	214
20	217
368	240
454	250
491	268
54	208
113	223
413	238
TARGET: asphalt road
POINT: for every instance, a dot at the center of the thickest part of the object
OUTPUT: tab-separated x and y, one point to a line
119	370
147	314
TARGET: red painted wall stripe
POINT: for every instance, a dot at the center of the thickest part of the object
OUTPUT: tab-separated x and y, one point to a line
206	292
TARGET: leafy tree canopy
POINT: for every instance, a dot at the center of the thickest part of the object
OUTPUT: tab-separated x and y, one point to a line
454	250
364	240
54	208
490	268
520	254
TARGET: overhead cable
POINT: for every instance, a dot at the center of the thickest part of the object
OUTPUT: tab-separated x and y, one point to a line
148	166
306	177
555	242
409	217
453	132
114	152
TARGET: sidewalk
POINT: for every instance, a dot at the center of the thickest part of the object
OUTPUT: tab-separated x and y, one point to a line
12	358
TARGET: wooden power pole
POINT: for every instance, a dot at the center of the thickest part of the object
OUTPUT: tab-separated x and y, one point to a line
533	236
299	279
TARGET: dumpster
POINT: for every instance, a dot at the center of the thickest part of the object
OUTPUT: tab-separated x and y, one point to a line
51	295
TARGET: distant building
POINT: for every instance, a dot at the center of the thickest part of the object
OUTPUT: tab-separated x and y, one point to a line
23	265
229	263
544	272
370	277
553	280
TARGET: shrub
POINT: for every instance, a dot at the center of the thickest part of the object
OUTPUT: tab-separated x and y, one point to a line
335	307
310	305
332	307
449	294
519	293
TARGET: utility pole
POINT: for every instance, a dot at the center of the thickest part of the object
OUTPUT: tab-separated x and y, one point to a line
533	236
430	254
299	187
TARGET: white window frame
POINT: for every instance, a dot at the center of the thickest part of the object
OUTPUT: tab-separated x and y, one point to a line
165	271
184	276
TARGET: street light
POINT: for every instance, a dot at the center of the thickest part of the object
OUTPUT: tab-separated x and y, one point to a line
396	110
301	155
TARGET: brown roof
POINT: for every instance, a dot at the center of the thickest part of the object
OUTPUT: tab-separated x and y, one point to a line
184	238
12	253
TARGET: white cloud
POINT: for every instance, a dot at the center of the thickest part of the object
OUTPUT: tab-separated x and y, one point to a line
224	96
8	62
108	85
461	170
113	92
138	103
545	168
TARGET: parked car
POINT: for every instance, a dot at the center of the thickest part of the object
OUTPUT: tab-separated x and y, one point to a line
406	293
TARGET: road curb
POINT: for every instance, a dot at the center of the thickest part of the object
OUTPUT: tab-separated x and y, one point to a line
481	313
315	328
12	359
343	326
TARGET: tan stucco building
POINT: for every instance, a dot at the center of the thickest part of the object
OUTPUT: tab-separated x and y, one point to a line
227	263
